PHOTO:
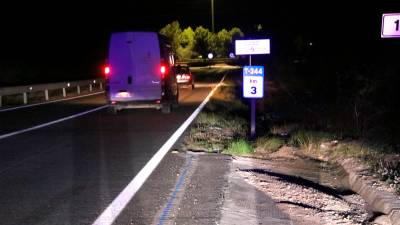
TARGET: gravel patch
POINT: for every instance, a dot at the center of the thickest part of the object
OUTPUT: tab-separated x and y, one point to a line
305	201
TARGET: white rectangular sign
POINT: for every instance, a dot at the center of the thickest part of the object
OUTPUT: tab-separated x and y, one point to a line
390	25
253	81
252	47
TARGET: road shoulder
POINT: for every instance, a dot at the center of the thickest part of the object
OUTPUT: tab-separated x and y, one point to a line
213	193
244	204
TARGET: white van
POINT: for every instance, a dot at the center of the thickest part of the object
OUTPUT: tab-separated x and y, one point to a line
140	72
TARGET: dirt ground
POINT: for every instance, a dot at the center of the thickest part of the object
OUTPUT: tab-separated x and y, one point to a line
310	192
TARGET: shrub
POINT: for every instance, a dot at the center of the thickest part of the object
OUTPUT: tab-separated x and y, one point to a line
269	144
240	147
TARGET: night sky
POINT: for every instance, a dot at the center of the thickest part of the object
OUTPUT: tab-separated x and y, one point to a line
74	36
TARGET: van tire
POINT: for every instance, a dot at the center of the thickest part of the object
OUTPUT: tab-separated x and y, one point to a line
166	108
175	104
112	110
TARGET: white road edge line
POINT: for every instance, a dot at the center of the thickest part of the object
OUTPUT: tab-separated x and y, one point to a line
45	103
109	215
52	122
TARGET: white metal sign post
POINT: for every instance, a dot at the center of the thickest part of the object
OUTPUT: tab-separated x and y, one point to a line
253	76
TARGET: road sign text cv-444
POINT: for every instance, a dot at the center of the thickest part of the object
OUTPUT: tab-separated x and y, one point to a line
253	82
390	25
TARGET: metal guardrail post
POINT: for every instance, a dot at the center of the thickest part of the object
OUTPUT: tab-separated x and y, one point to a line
25	96
26	89
46	94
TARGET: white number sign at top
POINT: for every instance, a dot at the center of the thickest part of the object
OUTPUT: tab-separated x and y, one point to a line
252	47
390	25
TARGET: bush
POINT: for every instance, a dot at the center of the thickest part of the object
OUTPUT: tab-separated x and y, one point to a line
240	147
389	171
309	139
269	144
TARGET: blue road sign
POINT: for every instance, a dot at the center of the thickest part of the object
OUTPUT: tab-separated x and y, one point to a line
253	82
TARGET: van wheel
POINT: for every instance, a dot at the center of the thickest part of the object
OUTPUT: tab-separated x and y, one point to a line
176	100
166	108
112	110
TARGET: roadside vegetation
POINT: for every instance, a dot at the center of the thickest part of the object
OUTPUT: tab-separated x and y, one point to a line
336	111
293	117
196	43
221	123
239	147
269	144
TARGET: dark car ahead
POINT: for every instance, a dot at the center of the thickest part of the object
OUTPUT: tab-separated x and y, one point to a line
184	75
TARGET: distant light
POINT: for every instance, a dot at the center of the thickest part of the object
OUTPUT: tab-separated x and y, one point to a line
259	27
311	43
30	88
94	81
231	55
68	84
210	55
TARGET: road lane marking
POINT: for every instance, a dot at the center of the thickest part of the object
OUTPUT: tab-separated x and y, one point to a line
44	103
108	216
52	122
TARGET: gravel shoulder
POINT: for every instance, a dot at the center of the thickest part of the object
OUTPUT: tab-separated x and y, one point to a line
304	200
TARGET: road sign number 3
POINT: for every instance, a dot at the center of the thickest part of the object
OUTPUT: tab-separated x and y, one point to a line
253	90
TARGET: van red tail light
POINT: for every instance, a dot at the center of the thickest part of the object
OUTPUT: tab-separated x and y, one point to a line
163	70
107	70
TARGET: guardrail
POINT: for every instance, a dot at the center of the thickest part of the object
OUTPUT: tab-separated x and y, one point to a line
24	90
209	61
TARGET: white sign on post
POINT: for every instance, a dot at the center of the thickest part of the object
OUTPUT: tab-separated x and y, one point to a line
390	25
252	47
253	76
253	82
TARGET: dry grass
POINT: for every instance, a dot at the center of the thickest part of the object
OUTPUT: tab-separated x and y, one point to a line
268	144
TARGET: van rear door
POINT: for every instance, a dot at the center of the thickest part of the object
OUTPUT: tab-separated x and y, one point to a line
134	58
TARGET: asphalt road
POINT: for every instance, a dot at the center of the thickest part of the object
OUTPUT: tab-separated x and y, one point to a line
69	172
